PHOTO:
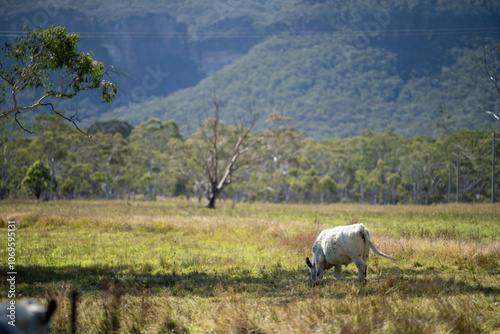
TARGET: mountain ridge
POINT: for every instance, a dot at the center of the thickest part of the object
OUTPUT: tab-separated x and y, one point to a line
357	65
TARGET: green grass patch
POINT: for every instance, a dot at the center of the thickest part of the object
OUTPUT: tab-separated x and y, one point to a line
174	267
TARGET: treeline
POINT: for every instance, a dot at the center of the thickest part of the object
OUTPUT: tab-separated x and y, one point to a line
155	160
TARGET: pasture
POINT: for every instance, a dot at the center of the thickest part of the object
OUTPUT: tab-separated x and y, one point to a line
175	267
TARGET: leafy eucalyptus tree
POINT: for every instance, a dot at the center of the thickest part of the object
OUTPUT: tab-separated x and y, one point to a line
108	161
37	179
52	132
283	147
49	63
151	146
15	158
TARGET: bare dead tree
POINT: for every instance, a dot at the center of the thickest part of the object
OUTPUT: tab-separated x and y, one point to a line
222	155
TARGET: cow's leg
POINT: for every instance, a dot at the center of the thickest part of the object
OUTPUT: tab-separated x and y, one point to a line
361	265
338	272
366	253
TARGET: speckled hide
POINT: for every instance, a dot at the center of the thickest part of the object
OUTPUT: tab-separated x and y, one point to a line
340	246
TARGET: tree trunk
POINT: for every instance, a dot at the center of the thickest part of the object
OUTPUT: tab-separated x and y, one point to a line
213	196
362	190
52	171
211	202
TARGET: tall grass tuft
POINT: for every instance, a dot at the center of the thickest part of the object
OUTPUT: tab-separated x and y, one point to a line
110	322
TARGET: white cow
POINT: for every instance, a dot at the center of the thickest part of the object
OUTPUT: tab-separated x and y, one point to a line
340	246
25	317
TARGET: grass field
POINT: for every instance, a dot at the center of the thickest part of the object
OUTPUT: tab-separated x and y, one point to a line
175	267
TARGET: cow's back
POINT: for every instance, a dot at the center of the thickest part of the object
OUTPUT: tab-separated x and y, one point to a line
342	243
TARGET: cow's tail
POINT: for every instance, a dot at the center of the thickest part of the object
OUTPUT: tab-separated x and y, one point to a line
374	249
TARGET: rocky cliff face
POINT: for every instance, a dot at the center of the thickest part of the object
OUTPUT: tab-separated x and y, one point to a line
156	54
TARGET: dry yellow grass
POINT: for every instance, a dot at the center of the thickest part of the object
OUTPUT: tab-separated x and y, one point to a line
175	267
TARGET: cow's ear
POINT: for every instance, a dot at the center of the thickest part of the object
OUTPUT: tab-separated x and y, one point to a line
309	264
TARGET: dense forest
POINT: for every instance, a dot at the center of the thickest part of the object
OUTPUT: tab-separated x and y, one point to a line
154	160
334	67
310	80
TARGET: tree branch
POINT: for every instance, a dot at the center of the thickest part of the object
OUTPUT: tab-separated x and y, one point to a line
69	119
491	76
19	123
20	109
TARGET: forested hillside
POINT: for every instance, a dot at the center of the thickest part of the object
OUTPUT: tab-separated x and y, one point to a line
310	80
335	68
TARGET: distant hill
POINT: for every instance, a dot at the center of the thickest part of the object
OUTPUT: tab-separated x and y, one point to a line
330	93
334	67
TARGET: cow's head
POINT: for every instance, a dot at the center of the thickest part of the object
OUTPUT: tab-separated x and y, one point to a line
316	273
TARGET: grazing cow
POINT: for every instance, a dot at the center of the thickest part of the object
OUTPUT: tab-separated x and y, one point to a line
25	317
340	246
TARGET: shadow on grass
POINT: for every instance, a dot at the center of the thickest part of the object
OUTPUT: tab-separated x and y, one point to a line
276	282
34	280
